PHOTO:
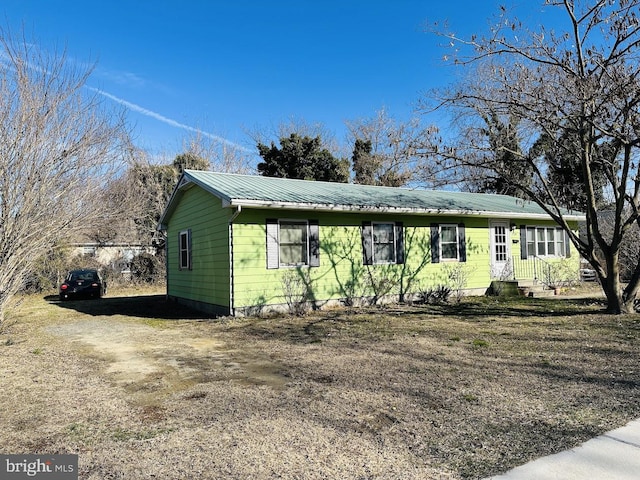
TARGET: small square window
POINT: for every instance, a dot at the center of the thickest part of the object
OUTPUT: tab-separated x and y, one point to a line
292	243
382	243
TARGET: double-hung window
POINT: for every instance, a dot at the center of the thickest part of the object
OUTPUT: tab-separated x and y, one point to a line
448	242
382	243
543	242
294	247
184	250
292	243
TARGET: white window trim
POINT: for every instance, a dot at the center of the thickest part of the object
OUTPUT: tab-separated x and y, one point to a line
558	240
300	222
373	243
186	234
457	258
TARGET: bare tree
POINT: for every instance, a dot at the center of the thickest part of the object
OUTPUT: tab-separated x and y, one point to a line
58	146
146	188
580	88
147	185
388	152
222	156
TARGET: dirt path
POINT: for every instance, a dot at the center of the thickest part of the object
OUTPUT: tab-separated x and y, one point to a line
152	362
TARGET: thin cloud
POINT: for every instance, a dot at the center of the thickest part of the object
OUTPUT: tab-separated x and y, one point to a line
168	121
129	79
132	78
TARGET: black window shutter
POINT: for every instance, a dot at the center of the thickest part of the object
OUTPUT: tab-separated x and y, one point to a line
367	244
523	242
180	267
399	243
314	243
435	243
462	243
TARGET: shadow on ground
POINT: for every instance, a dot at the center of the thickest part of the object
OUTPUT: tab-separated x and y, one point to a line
143	306
157	306
496	307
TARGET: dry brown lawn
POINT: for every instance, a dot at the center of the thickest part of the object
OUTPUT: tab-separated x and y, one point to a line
143	389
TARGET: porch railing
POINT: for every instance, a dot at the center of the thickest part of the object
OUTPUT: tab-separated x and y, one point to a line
533	268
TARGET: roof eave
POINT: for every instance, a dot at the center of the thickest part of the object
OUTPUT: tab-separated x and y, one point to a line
263	204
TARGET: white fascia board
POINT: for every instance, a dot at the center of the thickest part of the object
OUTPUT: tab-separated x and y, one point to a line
415	211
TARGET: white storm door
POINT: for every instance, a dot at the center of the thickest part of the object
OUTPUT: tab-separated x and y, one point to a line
500	250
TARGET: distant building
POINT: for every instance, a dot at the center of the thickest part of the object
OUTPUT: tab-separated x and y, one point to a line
118	255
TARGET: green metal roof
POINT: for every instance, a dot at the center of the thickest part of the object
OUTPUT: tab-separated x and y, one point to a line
267	192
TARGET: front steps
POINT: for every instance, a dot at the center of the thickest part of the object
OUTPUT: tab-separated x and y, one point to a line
531	288
514	288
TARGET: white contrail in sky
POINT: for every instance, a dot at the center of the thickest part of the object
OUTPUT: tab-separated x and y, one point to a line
168	121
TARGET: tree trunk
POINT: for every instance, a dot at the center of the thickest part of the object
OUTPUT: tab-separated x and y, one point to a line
616	301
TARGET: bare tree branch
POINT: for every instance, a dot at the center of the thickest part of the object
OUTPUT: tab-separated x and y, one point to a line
58	146
579	91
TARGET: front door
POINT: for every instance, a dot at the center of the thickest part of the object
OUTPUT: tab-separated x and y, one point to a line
501	267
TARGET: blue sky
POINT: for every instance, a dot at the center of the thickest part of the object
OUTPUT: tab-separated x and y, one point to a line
229	67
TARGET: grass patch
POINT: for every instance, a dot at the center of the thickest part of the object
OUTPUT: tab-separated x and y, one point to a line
126	435
157	322
479	343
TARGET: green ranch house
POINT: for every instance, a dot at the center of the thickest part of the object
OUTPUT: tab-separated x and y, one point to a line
235	241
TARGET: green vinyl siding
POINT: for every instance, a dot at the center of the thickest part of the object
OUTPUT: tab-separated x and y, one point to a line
208	279
341	273
204	204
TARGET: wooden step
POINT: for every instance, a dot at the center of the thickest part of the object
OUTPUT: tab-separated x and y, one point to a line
531	288
542	293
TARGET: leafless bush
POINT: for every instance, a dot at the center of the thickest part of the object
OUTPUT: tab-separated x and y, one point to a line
562	273
48	271
148	269
458	278
296	291
380	281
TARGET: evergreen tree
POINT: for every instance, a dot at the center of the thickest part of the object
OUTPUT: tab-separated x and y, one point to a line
301	157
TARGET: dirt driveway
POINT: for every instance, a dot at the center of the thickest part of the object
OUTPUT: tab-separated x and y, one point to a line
152	362
142	389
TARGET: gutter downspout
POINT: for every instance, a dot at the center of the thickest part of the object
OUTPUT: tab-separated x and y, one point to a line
232	309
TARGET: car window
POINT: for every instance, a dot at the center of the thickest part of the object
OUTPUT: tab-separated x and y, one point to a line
90	276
